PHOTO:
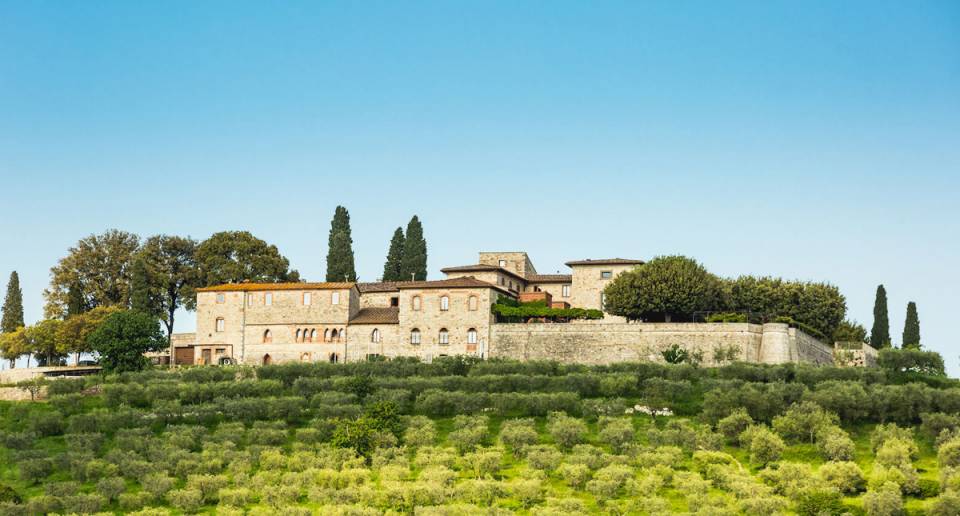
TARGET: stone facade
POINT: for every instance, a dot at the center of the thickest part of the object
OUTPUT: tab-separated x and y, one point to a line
333	322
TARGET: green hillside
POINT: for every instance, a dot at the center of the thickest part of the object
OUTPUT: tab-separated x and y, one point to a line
486	437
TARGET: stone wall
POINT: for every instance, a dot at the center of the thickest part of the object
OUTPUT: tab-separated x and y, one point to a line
605	343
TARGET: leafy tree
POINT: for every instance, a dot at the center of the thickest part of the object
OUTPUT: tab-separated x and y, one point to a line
74	331
42	339
880	334
765	446
100	265
12	305
33	385
172	276
393	268
414	263
13	345
911	327
803	421
566	431
76	304
140	294
237	256
816	305
664	289
850	331
123	338
885	500
911	361
340	266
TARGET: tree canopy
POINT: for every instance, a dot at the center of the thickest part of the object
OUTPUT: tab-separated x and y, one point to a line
667	288
237	256
393	268
172	275
414	264
12	305
340	263
911	327
123	338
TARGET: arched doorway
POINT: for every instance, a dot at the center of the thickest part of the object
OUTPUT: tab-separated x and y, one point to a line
267	360
334	358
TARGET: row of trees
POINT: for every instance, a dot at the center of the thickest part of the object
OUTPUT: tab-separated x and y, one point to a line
677	288
406	256
880	333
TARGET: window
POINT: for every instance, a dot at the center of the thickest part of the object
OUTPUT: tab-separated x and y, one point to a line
307	298
472	303
221	298
335	298
297	338
416	302
335	335
394	301
249	299
313	335
502	281
326	335
268	298
511	284
565	291
503	263
220	324
603	301
375	336
444	303
219	351
267	337
472	336
444	336
414	336
606	274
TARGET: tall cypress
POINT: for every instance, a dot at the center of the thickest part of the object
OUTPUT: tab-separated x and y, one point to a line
393	268
414	265
140	299
880	334
12	305
76	304
911	328
340	266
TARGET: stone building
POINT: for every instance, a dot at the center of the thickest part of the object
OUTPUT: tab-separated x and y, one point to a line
263	323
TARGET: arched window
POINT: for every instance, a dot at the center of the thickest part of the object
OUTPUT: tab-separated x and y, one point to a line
472	303
415	302
297	339
444	336
220	324
267	337
334	358
334	335
304	357
415	336
444	303
313	335
472	336
375	336
266	359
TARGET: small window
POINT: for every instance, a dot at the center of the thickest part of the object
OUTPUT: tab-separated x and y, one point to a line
220	324
220	351
472	303
297	338
335	298
472	336
606	274
267	337
268	298
416	302
249	299
511	284
221	298
502	281
444	336
394	301
415	336
565	291
326	335
335	335
444	303
313	334
307	298
503	263
375	336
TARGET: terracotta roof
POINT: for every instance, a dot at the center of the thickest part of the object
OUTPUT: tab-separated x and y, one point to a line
248	287
379	286
480	267
606	261
465	282
550	278
384	315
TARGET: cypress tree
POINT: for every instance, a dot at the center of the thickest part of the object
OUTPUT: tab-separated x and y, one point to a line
12	305
76	305
414	263
911	328
393	268
140	299
340	265
880	334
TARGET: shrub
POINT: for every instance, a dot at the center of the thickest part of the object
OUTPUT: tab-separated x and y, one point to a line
575	475
789	478
948	456
609	480
834	444
884	500
47	423
911	361
820	502
483	462
565	430
34	470
8	494
468	433
133	501
803	421
208	485
111	487
847	477
529	492
517	434
884	432
947	504
420	431
157	484
765	446
187	500
543	457
83	503
734	424
617	432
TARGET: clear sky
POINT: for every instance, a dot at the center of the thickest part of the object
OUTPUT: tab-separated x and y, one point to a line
811	140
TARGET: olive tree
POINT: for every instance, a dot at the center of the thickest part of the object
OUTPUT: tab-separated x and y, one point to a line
664	289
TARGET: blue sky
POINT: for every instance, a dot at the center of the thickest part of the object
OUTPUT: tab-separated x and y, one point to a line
811	140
